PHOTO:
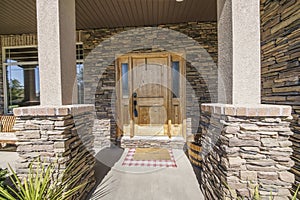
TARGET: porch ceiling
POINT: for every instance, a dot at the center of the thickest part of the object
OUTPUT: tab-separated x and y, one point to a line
19	16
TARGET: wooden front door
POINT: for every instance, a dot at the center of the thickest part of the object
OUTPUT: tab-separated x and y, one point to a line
150	95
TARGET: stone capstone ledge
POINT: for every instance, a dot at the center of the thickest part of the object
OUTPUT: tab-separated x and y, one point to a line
53	110
260	110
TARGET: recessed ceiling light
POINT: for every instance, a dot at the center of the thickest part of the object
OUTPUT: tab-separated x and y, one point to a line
179	0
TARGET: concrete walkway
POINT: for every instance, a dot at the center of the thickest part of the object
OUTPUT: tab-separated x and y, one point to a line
150	183
6	158
117	182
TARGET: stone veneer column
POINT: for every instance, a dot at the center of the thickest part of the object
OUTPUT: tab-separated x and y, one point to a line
243	147
244	143
56	51
57	135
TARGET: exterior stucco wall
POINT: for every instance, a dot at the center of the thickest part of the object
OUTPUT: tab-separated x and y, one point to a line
280	33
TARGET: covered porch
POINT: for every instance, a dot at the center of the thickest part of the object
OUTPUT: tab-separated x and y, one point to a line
213	46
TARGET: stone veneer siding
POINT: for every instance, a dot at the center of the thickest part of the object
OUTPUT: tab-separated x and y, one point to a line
101	130
245	147
57	135
280	33
204	33
152	142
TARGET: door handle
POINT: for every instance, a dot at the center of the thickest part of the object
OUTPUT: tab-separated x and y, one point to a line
135	112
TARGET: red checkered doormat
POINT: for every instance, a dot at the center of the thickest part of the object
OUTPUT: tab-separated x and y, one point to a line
130	161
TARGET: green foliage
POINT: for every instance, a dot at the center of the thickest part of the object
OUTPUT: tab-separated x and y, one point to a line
296	193
42	185
3	176
256	195
16	90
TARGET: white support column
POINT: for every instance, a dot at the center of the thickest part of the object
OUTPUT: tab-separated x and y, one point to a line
57	53
239	51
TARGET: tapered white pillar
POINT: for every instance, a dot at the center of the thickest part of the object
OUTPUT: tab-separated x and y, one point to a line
239	51
57	53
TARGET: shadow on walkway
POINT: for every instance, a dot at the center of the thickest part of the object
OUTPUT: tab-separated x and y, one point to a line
197	170
105	160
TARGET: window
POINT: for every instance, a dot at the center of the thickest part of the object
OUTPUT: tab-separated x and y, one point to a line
79	72
21	72
175	79
125	88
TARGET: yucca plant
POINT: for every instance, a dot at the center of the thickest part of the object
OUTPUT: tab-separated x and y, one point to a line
3	175
41	185
256	195
296	193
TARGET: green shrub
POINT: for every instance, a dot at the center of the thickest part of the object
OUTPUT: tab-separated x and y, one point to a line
256	195
41	185
3	175
296	193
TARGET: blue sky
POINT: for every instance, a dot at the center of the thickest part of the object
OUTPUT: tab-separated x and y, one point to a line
17	72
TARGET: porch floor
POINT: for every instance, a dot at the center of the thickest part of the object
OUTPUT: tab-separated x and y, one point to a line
7	157
116	181
128	182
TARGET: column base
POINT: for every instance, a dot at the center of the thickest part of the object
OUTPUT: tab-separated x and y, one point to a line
244	147
59	135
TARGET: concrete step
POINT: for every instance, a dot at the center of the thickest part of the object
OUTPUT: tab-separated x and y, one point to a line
152	141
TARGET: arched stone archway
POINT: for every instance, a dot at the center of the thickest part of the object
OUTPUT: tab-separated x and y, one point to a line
99	71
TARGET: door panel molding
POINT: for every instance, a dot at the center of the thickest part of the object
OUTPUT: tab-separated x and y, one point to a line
155	110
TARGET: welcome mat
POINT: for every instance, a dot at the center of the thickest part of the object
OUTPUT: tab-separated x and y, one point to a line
151	154
149	157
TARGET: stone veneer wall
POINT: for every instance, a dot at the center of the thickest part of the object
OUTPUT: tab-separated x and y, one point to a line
205	34
280	29
57	135
101	130
244	147
152	142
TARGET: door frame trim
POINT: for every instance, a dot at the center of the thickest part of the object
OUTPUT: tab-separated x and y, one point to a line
119	98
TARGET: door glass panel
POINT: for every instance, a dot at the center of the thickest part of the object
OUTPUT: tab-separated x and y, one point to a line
125	88
175	79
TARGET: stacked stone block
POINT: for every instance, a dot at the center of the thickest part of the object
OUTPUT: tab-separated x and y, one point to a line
244	147
204	33
99	51
152	142
57	135
101	131
280	28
